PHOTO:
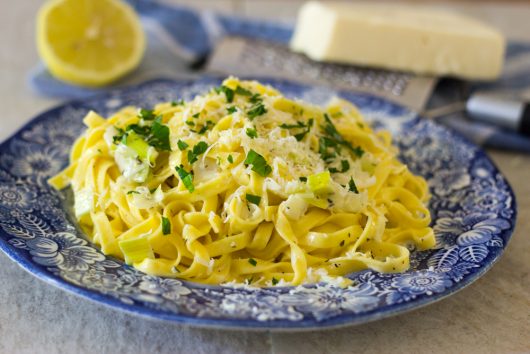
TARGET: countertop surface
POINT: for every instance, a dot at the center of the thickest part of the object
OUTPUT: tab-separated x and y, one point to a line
490	316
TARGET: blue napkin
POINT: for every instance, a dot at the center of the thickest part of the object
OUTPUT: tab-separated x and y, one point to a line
179	37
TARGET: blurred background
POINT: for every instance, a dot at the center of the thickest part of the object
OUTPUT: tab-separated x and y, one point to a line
508	16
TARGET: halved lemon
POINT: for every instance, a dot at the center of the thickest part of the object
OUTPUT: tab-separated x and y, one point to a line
89	42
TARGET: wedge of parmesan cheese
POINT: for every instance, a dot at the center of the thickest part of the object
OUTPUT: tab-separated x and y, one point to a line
400	38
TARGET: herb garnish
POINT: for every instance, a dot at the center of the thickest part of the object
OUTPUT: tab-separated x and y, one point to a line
117	138
256	110
186	178
156	134
252	133
146	114
132	192
229	93
303	179
334	139
231	110
243	91
254	199
358	151
182	145
230	159
159	137
324	144
138	129
255	98
345	166
196	115
252	261
166	226
275	281
198	149
299	125
352	186
177	103
258	162
206	126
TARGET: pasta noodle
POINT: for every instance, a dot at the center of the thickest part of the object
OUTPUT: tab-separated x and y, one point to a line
244	185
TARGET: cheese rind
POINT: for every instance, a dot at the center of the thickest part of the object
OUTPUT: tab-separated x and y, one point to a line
399	38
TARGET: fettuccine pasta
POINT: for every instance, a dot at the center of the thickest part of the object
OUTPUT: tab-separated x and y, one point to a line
244	185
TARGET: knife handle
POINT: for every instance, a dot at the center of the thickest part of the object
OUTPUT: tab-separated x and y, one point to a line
501	111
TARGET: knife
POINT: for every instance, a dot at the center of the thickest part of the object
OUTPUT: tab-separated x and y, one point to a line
509	112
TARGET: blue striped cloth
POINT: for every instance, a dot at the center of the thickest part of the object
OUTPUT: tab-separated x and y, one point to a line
178	37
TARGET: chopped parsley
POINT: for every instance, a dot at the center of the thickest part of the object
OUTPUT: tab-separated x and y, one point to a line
275	281
138	129
255	98
146	114
324	146
190	123
242	91
358	151
177	103
335	140
252	261
159	137
182	145
292	126
132	192
186	178
254	199
196	115
117	138
352	186
303	179
156	134
230	159
198	149
166	226
299	125
231	110
345	166
229	93
252	133
258	162
256	110
206	126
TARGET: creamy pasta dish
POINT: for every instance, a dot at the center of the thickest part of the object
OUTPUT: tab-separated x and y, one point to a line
246	186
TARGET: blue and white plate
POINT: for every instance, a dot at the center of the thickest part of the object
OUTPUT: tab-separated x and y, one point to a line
473	210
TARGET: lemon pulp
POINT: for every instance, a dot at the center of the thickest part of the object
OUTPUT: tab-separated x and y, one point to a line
89	42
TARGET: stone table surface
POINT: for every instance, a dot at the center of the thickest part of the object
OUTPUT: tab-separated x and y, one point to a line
490	316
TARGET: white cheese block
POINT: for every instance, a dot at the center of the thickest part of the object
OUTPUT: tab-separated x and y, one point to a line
399	38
